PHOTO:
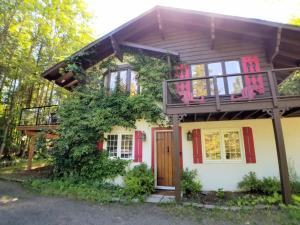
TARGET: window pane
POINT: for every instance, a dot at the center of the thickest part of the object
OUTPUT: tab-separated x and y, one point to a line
112	145
126	146
215	69
232	145
113	80
199	86
133	83
235	84
123	79
212	145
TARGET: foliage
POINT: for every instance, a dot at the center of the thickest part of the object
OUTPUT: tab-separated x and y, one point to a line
294	178
151	72
189	183
291	85
250	183
267	185
220	193
139	182
252	200
34	35
91	191
41	150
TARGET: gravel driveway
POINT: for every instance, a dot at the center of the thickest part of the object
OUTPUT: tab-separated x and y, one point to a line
17	206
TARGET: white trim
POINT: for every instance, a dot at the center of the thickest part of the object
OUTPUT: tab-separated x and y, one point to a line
171	188
119	144
223	160
155	161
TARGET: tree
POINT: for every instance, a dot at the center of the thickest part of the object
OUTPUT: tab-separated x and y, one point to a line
34	35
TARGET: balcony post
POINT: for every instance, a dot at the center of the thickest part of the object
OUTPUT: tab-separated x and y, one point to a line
216	92
165	96
176	155
273	88
281	155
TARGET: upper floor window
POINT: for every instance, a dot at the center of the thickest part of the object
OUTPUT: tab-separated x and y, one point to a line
127	79
226	85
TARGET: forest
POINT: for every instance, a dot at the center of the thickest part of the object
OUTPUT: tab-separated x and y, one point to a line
34	35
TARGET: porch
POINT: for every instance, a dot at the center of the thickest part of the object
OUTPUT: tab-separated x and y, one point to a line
266	94
35	120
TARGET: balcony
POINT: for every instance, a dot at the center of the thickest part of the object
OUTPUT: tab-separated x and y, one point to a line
38	118
236	96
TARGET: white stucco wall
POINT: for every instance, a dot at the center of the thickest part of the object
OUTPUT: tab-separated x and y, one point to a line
226	175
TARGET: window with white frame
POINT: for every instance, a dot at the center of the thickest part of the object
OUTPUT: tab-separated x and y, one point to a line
120	145
222	145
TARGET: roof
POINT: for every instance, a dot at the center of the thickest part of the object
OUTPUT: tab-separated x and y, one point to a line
283	40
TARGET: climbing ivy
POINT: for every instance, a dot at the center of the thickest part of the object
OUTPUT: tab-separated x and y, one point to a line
92	110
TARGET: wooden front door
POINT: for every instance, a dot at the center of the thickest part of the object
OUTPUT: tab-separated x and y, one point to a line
164	149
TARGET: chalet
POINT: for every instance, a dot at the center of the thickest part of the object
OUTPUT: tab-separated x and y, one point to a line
230	115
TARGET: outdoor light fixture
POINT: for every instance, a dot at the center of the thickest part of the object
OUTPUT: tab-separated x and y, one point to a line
143	136
189	136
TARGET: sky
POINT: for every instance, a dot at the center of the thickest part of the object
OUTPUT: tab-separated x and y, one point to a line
110	14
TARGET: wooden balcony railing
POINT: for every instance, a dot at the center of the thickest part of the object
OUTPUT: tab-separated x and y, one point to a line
36	116
265	86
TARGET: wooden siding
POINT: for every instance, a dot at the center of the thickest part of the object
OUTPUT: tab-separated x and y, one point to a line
195	46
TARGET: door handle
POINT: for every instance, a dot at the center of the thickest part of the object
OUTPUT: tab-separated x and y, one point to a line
168	149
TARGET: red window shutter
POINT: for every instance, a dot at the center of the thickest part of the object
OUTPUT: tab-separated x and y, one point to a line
138	146
249	145
197	146
183	88
99	145
250	64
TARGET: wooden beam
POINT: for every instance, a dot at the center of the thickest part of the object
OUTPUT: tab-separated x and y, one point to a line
149	48
277	44
208	116
237	115
176	158
251	114
71	84
223	115
64	77
212	32
117	50
159	22
30	152
281	155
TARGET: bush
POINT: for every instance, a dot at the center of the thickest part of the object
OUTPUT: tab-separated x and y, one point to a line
139	182
267	186
270	185
190	186
250	183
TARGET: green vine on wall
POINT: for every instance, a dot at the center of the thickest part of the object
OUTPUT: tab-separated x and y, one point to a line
92	110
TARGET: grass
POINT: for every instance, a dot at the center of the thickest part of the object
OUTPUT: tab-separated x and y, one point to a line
283	216
90	191
19	169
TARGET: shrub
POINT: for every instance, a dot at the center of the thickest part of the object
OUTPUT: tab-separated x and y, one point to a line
250	183
139	182
270	185
190	186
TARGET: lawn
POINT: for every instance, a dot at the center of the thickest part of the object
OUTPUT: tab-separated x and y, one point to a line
19	170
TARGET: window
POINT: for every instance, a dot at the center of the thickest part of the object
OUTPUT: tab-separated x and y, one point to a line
112	145
226	85
235	83
215	69
120	145
199	86
222	145
127	79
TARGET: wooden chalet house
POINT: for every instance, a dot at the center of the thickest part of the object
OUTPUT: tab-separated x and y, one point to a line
229	113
